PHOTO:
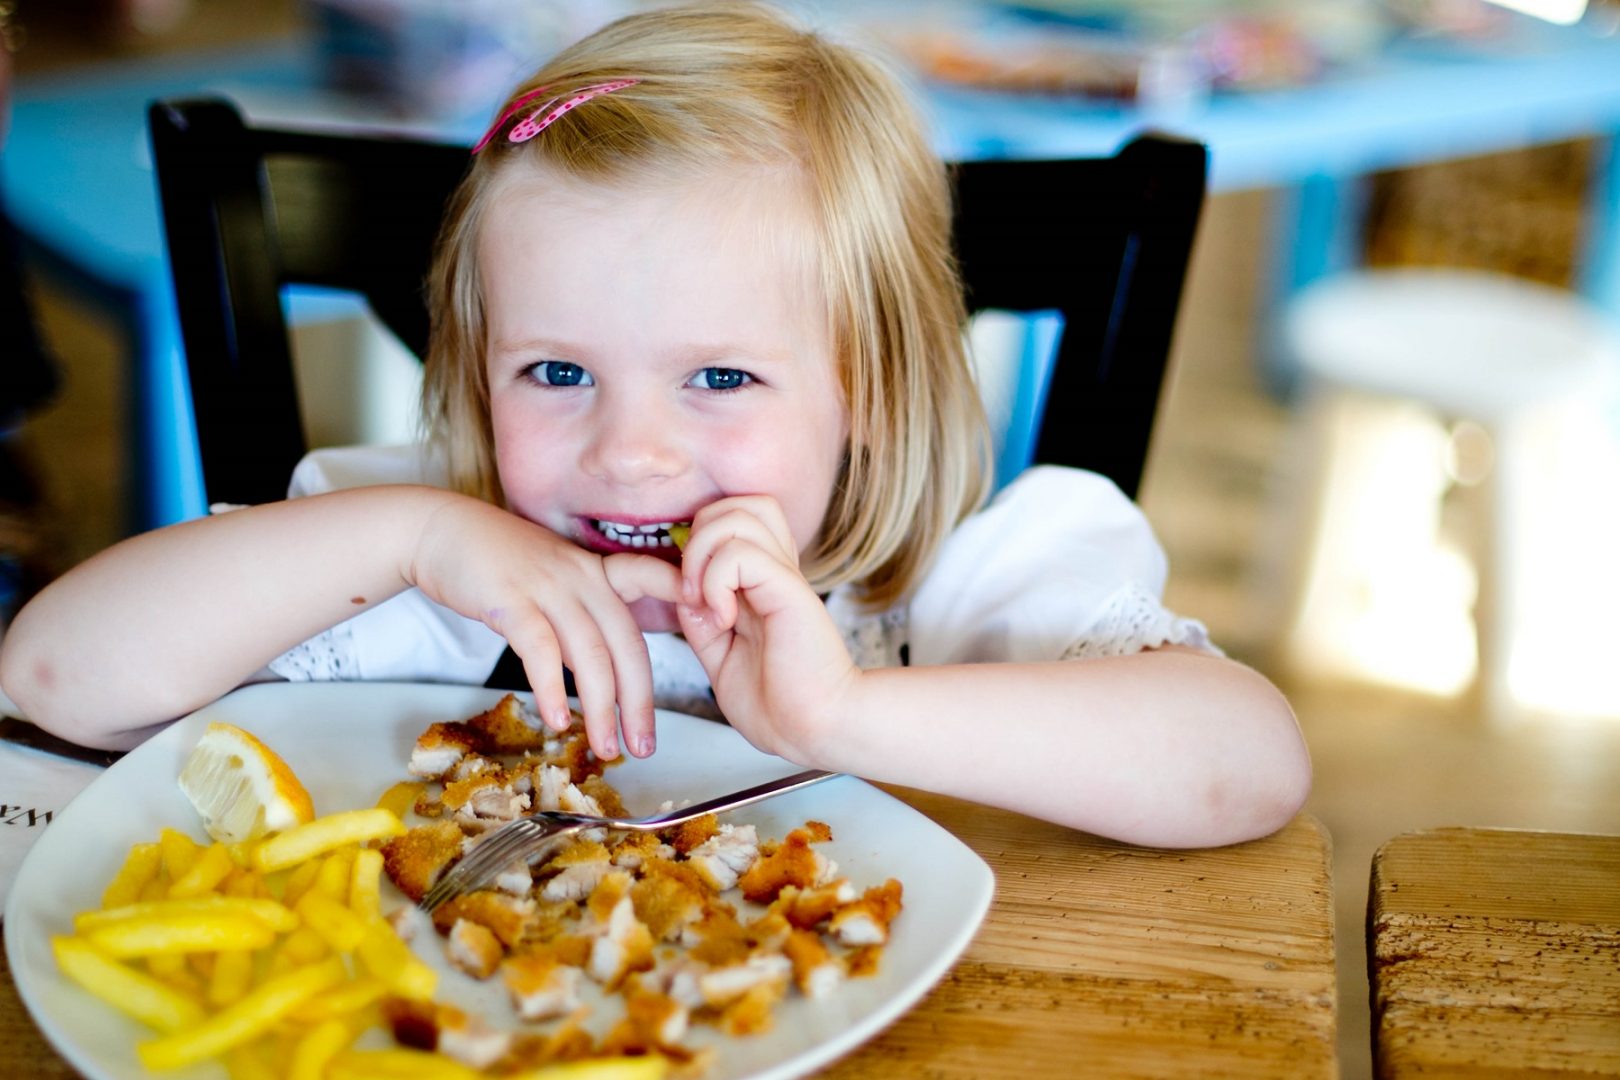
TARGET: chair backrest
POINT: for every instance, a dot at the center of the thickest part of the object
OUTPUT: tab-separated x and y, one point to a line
247	211
1105	242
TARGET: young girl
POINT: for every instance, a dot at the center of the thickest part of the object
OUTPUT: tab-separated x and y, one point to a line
700	272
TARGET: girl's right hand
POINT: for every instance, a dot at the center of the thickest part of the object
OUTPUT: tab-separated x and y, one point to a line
555	603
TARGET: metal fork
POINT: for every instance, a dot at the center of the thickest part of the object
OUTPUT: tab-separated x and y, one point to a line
526	838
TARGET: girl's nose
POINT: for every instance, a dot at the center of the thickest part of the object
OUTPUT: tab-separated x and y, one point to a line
634	442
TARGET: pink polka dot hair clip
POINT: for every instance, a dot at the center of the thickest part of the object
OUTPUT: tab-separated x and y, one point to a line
535	123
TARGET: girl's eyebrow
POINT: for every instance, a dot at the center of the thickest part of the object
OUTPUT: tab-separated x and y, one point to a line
531	346
706	354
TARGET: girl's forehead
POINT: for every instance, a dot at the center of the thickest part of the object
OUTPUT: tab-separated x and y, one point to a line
754	224
688	254
756	198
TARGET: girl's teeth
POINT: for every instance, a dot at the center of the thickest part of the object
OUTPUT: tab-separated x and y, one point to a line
656	535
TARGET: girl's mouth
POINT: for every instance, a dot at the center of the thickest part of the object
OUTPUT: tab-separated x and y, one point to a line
651	537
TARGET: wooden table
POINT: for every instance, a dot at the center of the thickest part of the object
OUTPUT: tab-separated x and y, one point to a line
1495	952
1096	957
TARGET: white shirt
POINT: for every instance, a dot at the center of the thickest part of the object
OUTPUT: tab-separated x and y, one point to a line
1059	566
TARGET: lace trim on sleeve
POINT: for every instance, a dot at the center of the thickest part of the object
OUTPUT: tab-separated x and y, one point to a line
1133	620
326	657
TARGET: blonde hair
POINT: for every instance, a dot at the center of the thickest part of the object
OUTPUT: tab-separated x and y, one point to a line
728	84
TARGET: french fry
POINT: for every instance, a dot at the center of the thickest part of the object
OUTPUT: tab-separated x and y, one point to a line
250	1062
275	915
401	798
324	834
179	852
365	883
339	927
172	969
336	870
233	972
392	961
398	1064
349	997
299	881
181	933
149	1000
212	865
302	946
316	1048
650	1067
140	868
243	1021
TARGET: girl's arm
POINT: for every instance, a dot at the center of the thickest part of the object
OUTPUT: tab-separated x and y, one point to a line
165	622
1170	747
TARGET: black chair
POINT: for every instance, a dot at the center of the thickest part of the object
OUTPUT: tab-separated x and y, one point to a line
1105	241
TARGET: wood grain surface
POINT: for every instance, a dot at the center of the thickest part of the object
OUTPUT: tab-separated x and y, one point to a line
1101	959
1495	952
1097	958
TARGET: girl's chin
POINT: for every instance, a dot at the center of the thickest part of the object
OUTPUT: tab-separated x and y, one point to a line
654	616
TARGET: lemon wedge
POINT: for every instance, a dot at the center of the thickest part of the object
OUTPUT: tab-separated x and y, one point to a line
241	788
680	534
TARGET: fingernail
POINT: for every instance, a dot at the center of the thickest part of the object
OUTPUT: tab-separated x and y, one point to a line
610	750
646	746
689	590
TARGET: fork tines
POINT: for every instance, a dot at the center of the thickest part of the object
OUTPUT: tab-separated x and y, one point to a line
509	843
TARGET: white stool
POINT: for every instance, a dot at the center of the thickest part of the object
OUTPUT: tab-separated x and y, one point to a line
1403	367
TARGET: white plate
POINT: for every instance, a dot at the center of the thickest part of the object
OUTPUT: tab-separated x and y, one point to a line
349	741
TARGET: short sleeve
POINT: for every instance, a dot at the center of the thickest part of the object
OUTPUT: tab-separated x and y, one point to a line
1061	565
407	637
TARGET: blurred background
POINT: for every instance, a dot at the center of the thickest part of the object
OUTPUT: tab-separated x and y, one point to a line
1425	564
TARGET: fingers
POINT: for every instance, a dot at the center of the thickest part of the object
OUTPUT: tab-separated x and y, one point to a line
755	522
596	637
531	637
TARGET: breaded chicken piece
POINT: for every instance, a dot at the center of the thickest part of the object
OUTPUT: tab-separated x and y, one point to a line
441	748
509	728
555	791
426	1025
792	862
750	1013
807	908
509	918
541	985
579	867
620	942
515	880
414	859
486	796
669	897
690	834
770	932
568	1041
653	1022
866	921
816	971
473	948
725	856
723	986
634	849
605	795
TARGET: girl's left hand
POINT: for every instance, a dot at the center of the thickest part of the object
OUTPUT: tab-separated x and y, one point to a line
776	661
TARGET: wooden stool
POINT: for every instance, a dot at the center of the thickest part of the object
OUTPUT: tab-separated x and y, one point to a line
1495	953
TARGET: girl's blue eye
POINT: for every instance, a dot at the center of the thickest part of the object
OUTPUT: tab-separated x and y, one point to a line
721	378
560	373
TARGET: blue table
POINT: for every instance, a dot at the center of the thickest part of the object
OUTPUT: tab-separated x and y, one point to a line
77	175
